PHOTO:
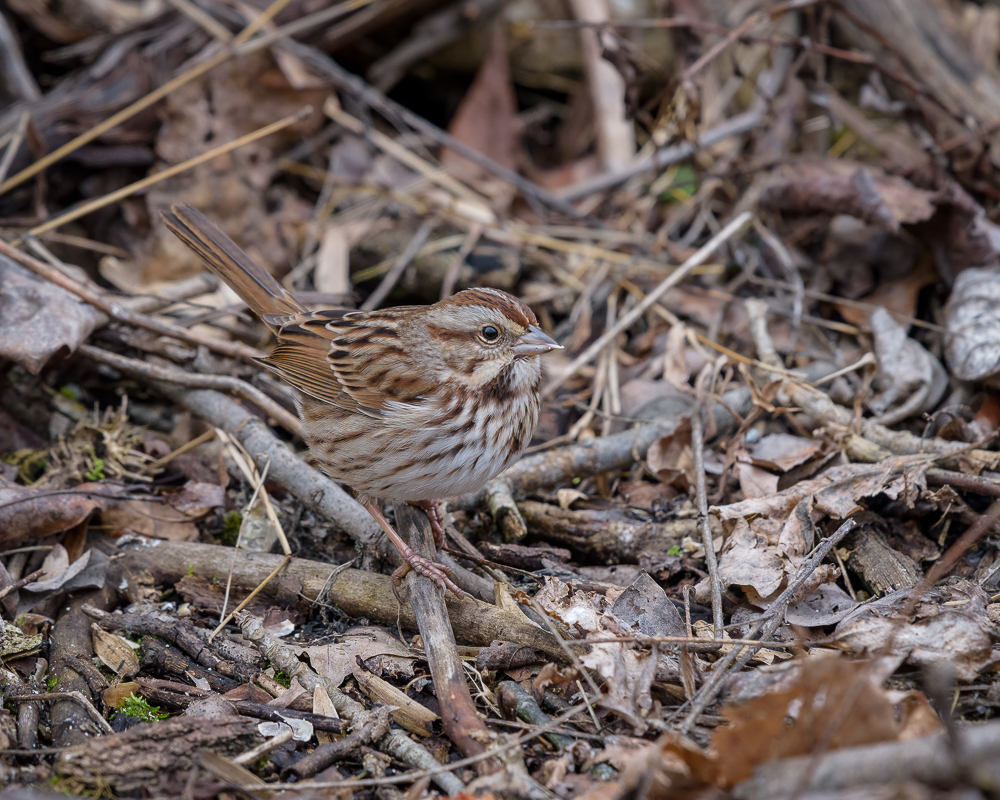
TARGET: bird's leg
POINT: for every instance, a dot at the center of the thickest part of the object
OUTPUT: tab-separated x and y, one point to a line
432	508
438	573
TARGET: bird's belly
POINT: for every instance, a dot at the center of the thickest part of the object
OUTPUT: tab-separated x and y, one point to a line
421	462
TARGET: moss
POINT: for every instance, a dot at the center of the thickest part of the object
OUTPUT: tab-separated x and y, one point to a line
139	708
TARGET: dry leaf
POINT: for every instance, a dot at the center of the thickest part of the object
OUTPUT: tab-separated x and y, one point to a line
115	653
39	319
833	703
486	117
566	497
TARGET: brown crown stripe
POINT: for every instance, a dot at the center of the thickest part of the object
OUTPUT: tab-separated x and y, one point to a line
513	308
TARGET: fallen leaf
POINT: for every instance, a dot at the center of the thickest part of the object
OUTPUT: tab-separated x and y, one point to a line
972	319
833	703
382	654
115	653
910	380
39	319
486	117
948	626
782	451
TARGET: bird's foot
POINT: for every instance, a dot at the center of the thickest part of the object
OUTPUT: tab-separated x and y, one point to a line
432	508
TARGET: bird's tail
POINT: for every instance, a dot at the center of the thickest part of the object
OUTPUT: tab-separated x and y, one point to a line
254	284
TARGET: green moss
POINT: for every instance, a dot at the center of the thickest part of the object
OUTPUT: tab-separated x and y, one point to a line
139	708
97	472
231	528
283	679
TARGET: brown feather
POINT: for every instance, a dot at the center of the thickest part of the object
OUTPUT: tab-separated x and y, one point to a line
254	284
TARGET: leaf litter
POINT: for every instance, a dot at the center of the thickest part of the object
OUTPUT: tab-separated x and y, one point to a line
834	361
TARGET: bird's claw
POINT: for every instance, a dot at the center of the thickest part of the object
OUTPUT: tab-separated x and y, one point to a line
439	573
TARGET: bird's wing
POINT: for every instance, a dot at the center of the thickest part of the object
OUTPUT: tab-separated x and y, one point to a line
352	360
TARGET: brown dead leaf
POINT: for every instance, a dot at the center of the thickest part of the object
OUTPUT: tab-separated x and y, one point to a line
486	117
39	319
770	535
27	512
383	655
832	704
195	499
782	451
148	519
909	379
670	458
756	482
115	653
838	186
948	626
234	99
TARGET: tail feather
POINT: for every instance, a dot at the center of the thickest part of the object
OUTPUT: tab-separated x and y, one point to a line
254	284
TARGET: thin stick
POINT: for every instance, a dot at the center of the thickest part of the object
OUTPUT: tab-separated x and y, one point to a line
698	446
393	110
118	311
222	383
200	440
78	696
664	157
248	466
239	537
21	583
389	281
765	626
15	144
396	150
176	169
454	271
668	283
207	21
284	563
144	102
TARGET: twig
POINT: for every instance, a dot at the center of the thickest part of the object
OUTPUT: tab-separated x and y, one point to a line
927	760
698	447
461	722
222	383
261	750
454	270
118	311
393	110
356	592
668	283
145	102
393	743
205	20
77	696
388	283
15	143
408	158
765	626
665	156
21	583
156	177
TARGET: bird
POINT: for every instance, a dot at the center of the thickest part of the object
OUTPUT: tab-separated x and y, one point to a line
407	404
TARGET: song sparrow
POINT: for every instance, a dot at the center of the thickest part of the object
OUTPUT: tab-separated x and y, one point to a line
411	404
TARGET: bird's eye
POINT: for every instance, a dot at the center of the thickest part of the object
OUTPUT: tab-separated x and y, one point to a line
489	333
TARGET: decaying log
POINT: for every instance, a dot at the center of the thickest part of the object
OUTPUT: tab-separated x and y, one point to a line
356	592
71	639
929	759
606	533
134	759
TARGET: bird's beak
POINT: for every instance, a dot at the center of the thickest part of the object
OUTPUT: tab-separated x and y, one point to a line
535	342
